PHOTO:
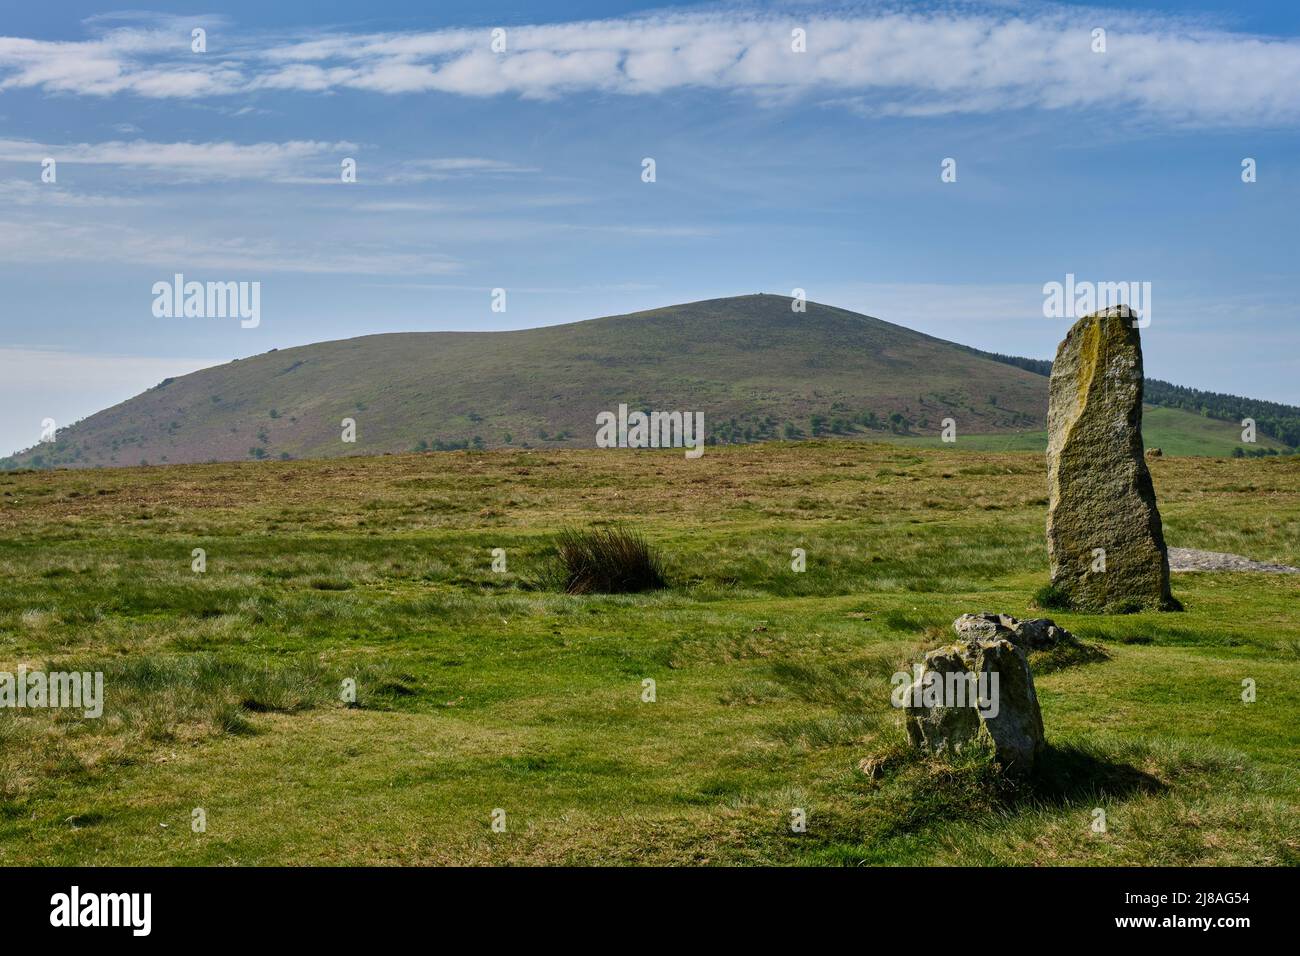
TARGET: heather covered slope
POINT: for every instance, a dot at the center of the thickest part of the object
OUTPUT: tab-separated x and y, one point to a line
755	368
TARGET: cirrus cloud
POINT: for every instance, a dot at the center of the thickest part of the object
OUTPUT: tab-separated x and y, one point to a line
213	160
971	60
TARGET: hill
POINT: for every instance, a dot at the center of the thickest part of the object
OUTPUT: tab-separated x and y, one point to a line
755	368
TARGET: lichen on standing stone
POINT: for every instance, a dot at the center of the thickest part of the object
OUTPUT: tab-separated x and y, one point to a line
1105	542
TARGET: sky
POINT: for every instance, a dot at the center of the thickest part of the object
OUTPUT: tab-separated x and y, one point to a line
523	169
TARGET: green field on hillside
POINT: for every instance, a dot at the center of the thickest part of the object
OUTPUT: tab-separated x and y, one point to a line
1179	432
1172	430
480	691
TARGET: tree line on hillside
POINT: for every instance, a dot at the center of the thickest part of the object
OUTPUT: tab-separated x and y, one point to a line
1271	418
744	430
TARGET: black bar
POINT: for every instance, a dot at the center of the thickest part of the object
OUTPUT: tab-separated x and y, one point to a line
351	905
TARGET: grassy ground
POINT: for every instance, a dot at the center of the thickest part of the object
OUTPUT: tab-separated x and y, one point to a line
477	690
1173	430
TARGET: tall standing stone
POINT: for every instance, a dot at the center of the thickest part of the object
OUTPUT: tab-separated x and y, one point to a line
1104	538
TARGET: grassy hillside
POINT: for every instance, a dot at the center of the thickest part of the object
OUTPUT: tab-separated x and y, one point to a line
478	690
754	367
1172	430
1179	432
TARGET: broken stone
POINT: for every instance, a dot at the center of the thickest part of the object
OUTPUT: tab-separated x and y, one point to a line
1036	634
1104	537
978	691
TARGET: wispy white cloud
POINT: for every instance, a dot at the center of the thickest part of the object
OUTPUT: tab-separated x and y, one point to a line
968	59
623	229
215	160
455	167
487	203
293	161
522	289
26	192
45	241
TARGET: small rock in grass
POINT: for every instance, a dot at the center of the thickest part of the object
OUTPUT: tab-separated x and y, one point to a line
979	691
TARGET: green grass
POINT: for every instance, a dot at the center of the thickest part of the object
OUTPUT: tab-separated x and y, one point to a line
1174	431
479	689
1000	442
1179	432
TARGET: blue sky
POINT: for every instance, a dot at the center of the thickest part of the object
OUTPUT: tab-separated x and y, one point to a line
522	170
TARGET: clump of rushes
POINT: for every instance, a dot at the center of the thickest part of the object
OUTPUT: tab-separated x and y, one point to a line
606	561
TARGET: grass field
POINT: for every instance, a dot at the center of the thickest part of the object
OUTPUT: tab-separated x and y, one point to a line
1173	430
478	690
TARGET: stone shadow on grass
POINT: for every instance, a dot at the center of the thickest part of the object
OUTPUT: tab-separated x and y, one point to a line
1065	656
1070	774
913	791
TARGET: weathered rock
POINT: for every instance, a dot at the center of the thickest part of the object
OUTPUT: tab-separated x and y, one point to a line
1155	453
1104	537
978	691
1036	634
